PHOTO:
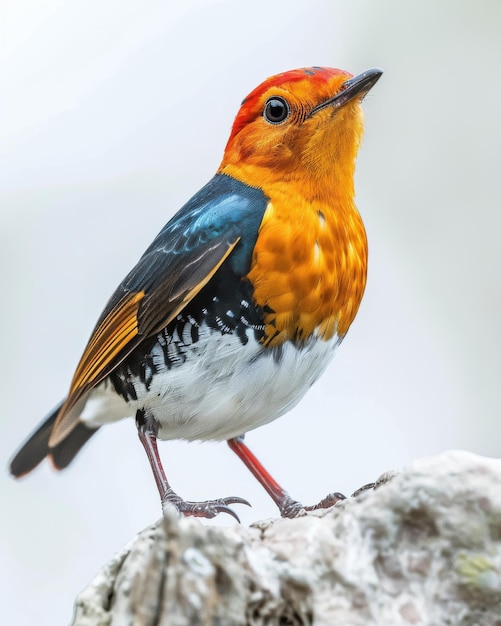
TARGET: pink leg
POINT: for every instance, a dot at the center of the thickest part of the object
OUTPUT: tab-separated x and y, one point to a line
287	506
207	509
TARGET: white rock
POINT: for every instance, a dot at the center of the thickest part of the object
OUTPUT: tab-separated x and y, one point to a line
421	549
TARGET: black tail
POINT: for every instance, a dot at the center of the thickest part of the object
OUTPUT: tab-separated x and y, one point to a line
36	448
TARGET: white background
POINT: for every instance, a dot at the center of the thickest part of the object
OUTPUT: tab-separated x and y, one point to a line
112	114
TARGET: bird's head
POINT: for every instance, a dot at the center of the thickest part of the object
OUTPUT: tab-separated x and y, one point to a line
305	122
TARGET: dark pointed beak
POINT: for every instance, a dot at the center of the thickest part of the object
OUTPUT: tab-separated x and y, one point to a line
357	86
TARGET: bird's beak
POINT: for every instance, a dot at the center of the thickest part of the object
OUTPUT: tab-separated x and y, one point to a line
357	86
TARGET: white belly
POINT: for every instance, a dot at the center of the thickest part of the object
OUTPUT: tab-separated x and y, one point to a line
223	389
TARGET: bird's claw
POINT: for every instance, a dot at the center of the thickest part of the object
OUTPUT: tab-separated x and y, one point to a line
330	500
363	489
382	480
290	508
207	509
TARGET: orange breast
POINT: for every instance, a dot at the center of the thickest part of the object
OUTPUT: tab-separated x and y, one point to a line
309	266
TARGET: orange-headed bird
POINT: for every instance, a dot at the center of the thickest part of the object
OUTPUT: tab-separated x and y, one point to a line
240	302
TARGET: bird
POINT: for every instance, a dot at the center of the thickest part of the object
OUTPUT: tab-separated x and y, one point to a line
240	302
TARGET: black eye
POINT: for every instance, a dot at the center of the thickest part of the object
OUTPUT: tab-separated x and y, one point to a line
276	110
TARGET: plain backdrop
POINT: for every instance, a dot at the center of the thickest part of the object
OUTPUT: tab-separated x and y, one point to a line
112	114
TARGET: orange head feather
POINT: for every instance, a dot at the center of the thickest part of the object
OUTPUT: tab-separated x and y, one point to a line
317	141
296	137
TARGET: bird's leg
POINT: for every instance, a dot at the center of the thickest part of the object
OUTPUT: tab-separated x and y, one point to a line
287	506
147	429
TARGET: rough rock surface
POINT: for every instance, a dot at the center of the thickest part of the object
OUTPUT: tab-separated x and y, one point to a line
424	548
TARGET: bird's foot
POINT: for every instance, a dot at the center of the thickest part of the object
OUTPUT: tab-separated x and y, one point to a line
327	502
207	509
363	489
292	508
382	480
